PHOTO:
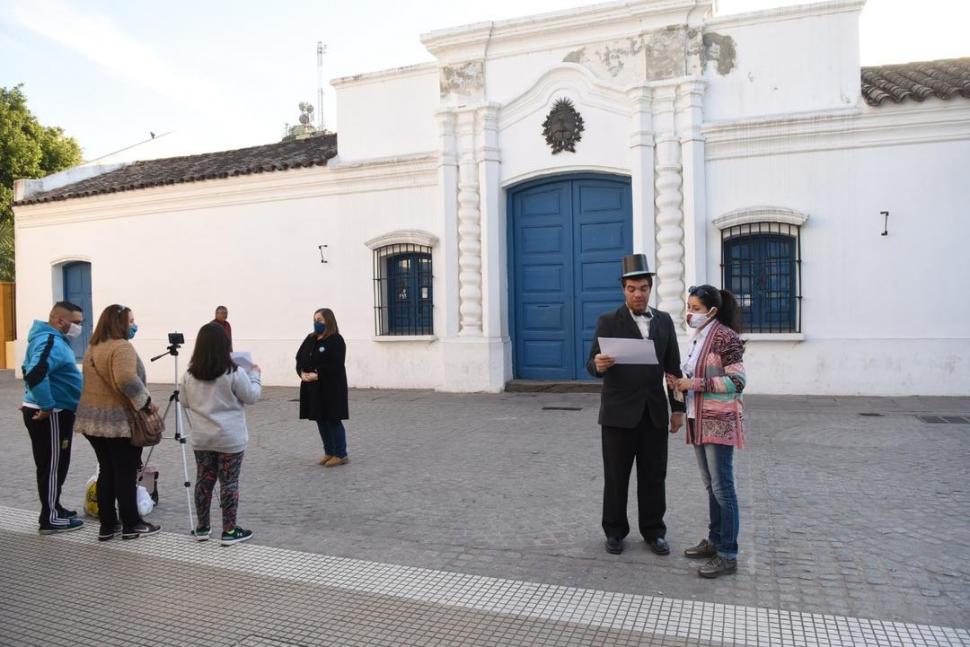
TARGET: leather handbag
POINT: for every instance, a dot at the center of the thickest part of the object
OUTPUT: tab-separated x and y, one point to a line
146	426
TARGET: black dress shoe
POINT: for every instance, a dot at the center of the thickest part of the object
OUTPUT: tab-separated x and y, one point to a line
614	546
659	545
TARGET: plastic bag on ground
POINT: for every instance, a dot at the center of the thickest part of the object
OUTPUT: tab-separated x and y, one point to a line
91	496
145	503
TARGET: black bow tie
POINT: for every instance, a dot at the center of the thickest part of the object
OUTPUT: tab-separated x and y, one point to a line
641	314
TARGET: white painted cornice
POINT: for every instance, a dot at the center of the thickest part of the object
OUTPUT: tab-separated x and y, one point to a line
403	237
857	127
560	28
780	14
752	215
337	178
420	69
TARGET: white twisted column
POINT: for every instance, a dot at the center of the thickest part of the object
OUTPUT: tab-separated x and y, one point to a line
469	231
670	217
641	173
690	118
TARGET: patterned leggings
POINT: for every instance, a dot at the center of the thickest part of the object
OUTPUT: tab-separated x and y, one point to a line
224	467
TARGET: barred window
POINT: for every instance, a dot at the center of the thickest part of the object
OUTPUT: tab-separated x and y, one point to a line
761	265
403	297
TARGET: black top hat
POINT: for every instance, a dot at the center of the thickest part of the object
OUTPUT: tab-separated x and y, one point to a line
635	265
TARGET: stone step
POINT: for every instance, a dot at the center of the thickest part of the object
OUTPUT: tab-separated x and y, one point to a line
550	386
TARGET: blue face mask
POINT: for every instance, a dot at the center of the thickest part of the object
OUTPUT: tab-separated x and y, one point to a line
319	327
132	329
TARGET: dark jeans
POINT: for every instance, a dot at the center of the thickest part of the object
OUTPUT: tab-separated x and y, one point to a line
334	437
716	463
210	467
648	446
118	462
50	441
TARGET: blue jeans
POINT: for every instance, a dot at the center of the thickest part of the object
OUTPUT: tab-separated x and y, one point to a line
334	437
717	471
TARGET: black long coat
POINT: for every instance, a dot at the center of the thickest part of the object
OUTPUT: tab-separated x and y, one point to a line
325	399
628	388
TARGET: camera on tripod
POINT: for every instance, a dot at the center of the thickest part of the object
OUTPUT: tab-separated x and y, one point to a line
176	338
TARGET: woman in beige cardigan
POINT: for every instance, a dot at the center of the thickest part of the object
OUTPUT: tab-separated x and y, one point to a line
113	373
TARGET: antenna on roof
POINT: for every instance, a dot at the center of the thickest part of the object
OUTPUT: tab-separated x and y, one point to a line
321	50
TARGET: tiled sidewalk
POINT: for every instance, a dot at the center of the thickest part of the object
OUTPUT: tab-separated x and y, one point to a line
169	590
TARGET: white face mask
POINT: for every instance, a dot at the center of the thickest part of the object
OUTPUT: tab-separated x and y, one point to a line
74	331
696	320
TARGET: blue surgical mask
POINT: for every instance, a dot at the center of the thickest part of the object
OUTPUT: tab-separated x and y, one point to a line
319	327
132	329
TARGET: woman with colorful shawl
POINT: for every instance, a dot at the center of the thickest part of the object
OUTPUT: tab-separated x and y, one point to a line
715	418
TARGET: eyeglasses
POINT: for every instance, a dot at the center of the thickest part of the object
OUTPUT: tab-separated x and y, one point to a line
699	291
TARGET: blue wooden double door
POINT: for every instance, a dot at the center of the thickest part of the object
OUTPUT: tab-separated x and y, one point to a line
567	240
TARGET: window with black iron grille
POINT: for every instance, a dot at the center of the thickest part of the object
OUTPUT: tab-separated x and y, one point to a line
761	264
403	296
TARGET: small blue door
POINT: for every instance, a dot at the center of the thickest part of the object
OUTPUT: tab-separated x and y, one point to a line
567	239
77	290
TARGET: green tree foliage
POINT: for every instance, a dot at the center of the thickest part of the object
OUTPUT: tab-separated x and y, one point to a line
27	150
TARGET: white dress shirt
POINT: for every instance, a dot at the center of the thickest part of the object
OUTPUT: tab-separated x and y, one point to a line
643	322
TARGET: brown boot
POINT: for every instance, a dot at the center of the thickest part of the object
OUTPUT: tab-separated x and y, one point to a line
335	461
326	457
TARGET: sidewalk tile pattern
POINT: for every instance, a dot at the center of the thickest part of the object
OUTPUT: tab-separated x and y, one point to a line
392	604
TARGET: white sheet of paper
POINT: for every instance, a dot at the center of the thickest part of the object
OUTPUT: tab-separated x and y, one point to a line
243	360
629	351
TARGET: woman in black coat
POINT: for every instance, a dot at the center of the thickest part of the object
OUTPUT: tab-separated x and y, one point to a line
323	386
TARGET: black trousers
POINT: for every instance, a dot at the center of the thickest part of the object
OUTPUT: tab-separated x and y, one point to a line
647	446
118	462
50	440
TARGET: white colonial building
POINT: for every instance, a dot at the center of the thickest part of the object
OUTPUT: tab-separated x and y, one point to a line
467	227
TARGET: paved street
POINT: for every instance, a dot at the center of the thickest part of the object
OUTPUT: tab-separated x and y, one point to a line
851	507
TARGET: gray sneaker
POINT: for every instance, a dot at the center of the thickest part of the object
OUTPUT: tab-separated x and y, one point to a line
718	566
704	550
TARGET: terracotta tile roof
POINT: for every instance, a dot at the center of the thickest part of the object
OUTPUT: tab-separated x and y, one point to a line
313	151
917	81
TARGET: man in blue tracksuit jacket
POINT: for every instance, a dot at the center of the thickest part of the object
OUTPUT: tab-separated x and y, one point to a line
52	389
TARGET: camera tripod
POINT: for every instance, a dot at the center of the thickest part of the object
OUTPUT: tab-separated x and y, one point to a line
175	341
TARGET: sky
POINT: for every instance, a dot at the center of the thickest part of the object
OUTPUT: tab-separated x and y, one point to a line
219	74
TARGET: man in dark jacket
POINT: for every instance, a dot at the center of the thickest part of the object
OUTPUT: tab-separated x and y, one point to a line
634	411
52	389
222	318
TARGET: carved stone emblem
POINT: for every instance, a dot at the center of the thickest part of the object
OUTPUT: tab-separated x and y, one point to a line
563	127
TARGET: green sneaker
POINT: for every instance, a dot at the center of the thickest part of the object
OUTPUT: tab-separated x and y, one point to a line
201	533
236	536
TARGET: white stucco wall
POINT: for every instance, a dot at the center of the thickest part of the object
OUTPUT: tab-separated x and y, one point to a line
388	113
878	312
788	60
172	263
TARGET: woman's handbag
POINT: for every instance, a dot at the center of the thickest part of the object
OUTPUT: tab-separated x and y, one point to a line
146	426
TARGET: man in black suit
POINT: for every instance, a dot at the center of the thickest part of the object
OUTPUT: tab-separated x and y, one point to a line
634	411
